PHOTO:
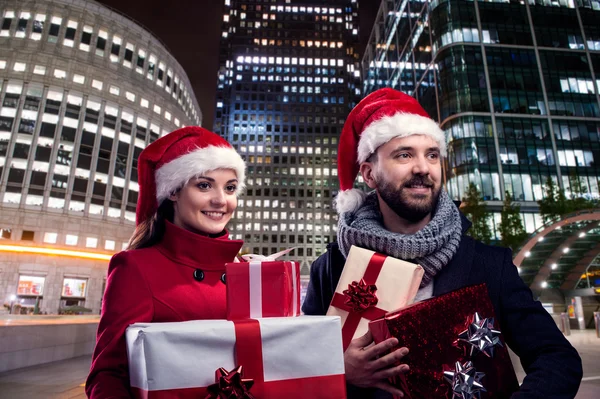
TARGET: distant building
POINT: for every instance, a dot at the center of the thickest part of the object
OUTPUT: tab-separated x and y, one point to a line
288	78
514	84
83	90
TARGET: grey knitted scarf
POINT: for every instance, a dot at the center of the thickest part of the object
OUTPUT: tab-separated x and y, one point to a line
432	247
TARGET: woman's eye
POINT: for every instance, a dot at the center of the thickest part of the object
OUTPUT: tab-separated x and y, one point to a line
231	189
203	186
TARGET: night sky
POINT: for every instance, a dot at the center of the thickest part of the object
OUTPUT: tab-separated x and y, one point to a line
192	29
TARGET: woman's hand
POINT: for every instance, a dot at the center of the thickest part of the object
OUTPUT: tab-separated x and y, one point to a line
364	367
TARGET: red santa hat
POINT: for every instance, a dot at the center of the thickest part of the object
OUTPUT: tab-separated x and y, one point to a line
171	161
380	117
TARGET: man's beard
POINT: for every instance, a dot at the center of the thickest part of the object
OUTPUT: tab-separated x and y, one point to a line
405	205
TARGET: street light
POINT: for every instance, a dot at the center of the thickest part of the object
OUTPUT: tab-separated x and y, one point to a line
12	300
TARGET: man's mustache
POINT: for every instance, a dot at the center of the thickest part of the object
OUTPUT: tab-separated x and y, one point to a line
424	181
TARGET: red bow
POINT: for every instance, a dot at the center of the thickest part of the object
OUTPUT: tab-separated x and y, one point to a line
360	296
230	385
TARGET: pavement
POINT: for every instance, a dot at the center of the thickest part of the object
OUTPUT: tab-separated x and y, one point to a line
65	379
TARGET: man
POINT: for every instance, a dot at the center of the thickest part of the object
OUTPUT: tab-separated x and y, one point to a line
391	141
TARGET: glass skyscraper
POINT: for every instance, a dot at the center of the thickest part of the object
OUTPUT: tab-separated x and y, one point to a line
288	78
512	83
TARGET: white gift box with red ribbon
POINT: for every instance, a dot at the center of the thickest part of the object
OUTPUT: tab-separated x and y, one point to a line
263	286
291	357
371	285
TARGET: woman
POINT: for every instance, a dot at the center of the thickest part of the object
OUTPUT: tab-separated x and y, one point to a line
174	267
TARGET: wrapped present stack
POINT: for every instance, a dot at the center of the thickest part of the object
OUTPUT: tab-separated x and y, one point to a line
263	351
263	287
371	285
456	347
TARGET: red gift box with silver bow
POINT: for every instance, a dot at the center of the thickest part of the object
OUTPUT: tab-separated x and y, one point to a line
263	286
371	284
455	345
272	358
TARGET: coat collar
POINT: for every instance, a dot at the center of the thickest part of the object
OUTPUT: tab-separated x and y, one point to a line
194	250
456	273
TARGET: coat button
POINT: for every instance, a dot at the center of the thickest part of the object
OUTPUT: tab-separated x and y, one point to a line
198	275
223	278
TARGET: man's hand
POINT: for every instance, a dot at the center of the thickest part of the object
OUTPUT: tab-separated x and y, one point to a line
364	367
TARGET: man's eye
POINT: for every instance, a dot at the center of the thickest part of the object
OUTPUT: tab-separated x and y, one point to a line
403	155
434	155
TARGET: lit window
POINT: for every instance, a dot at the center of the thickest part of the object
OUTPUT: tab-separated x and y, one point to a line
115	49
31	285
56	203
60	74
2	64
8	17
79	79
54	29
157	109
109	245
114	90
86	38
74	287
130	96
124	246
70	33
22	24
71	239
38	27
50	238
101	43
144	103
151	66
39	70
96	84
128	57
91	242
20	66
167	115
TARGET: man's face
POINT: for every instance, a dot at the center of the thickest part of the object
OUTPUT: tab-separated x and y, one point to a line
407	174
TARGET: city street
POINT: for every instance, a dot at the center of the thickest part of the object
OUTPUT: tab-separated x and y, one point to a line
65	379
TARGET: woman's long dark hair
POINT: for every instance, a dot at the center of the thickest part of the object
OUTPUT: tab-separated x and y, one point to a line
152	230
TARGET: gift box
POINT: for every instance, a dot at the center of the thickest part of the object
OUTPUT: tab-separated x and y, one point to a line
289	357
371	284
455	345
263	287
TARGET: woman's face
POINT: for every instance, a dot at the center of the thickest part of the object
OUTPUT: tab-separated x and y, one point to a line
206	203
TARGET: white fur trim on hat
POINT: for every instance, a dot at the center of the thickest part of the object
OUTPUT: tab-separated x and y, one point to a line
398	125
349	200
173	175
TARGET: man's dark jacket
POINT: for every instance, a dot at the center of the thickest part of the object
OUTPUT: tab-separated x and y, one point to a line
552	365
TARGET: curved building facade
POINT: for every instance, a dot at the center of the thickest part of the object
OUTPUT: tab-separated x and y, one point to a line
83	90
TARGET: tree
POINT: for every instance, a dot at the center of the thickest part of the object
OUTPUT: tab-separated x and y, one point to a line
511	227
579	192
554	204
476	211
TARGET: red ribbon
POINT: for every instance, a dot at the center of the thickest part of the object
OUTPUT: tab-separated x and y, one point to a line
360	296
230	385
371	312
